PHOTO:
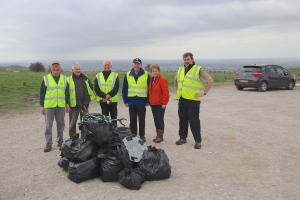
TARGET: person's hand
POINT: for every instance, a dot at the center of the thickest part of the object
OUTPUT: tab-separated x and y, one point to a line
199	95
42	110
126	104
107	97
147	104
163	106
68	109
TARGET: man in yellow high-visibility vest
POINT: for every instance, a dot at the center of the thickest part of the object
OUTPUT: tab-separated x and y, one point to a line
54	98
192	83
81	93
135	96
106	88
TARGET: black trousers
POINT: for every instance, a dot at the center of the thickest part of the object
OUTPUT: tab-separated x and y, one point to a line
137	112
158	116
188	112
110	109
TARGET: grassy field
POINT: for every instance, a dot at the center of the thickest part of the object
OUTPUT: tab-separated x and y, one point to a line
19	87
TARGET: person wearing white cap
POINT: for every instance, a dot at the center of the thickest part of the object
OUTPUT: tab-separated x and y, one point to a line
54	97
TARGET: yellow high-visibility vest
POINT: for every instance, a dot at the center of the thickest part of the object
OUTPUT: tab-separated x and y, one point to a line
189	84
72	91
107	85
55	92
137	88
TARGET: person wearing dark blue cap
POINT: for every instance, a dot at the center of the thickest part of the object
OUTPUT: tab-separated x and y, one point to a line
135	96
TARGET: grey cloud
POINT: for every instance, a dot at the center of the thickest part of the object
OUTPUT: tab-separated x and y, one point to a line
64	26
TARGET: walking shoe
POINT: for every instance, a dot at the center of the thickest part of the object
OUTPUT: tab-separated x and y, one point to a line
159	136
197	145
59	145
47	148
180	141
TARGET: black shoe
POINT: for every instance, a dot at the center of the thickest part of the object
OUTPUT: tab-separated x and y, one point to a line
180	141
47	148
143	138
75	136
59	145
197	145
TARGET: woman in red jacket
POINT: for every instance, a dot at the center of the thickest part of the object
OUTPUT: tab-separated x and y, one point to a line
158	99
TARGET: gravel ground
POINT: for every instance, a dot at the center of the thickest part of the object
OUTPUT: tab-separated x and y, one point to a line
251	150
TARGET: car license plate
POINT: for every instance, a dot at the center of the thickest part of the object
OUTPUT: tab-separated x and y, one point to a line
243	81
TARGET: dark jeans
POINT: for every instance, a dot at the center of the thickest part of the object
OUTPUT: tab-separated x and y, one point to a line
73	117
137	111
158	116
110	109
188	112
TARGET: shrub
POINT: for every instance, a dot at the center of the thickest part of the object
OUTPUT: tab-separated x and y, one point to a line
37	67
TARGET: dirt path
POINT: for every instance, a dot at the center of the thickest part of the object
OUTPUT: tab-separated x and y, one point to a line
251	150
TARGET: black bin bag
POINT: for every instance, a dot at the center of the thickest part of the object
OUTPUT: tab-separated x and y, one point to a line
131	178
77	150
99	133
122	132
79	172
155	164
97	128
110	166
63	163
119	133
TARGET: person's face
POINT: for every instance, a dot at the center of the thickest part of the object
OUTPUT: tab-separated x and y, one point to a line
155	72
106	66
76	70
136	66
55	69
187	60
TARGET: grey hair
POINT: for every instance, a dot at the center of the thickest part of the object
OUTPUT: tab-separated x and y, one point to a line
107	60
74	65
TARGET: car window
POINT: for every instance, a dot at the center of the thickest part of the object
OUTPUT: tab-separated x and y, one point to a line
270	70
279	70
251	68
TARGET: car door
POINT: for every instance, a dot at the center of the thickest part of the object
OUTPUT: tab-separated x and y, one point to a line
272	76
283	76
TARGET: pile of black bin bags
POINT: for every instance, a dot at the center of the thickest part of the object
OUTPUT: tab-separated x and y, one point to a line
113	154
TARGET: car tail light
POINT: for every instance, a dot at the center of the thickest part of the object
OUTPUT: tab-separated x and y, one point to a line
257	74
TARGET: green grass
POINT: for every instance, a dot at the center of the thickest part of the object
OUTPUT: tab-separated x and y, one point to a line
19	87
295	71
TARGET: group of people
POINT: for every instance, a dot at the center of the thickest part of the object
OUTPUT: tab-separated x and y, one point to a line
73	94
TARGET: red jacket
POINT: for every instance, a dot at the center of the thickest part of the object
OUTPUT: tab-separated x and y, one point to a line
158	91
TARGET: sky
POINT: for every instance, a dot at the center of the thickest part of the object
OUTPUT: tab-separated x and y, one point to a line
156	29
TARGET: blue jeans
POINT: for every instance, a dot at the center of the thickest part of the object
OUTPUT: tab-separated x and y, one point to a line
158	116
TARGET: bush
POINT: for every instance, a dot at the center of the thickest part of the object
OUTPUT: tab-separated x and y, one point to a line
37	67
147	68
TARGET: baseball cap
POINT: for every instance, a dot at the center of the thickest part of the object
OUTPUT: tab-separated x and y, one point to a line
137	60
55	62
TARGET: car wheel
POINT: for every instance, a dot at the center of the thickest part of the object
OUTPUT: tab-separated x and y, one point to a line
291	85
263	86
239	87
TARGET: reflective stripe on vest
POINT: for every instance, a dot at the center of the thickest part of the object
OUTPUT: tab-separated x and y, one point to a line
55	92
137	88
107	85
72	91
189	84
